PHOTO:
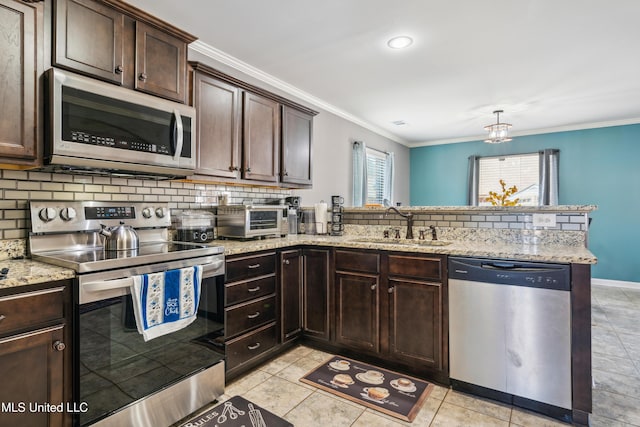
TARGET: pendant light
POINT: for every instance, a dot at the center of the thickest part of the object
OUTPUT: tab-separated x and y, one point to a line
498	132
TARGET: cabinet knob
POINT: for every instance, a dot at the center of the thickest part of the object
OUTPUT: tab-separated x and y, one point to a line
59	345
233	168
286	262
142	77
286	173
248	170
373	287
390	290
119	69
2	317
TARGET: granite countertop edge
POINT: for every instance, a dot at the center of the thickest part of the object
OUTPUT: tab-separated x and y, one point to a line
28	272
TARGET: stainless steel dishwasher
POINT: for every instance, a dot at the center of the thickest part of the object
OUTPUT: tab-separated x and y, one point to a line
510	332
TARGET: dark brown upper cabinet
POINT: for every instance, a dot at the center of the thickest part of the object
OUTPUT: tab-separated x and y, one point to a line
89	39
247	134
21	59
297	133
116	42
260	138
218	126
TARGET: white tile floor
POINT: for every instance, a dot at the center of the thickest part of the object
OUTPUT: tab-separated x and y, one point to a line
616	372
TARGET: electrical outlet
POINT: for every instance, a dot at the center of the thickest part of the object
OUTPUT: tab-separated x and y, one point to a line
544	220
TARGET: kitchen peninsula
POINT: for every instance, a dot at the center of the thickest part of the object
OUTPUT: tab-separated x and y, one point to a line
314	275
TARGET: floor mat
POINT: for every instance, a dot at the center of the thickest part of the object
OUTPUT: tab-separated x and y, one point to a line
386	391
237	412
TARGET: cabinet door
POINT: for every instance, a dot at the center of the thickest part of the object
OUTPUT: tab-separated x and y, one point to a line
261	138
291	294
160	63
32	371
296	146
89	39
357	314
416	322
316	307
218	133
18	53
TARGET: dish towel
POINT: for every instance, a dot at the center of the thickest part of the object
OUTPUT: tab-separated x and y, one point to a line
166	302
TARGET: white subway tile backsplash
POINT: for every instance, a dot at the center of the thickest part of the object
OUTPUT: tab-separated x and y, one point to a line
74	187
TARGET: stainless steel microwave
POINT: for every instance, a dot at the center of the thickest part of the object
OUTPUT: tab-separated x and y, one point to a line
92	125
252	221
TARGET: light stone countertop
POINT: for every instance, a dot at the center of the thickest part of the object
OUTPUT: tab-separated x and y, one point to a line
476	209
519	251
28	272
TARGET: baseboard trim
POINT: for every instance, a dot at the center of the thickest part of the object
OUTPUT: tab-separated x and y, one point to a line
615	283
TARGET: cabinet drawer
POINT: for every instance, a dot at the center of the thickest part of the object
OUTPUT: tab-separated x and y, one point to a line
248	346
357	261
248	267
30	309
415	267
244	317
244	291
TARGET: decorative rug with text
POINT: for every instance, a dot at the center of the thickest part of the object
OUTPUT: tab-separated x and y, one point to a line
398	395
237	412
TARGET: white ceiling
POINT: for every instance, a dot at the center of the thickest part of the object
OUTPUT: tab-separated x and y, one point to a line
549	64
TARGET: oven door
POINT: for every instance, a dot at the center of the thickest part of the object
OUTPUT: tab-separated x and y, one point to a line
115	370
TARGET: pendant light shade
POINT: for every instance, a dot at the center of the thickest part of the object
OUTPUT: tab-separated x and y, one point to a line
498	132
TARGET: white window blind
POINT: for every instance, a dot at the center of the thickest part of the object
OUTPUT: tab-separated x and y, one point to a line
376	176
520	170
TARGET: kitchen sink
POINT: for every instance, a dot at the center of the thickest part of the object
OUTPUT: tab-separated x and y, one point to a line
414	242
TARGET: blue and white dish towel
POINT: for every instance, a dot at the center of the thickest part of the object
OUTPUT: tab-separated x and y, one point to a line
166	302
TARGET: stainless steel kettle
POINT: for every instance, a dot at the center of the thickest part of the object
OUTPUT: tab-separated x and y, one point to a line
119	238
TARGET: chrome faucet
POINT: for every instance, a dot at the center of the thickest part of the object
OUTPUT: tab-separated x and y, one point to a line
409	218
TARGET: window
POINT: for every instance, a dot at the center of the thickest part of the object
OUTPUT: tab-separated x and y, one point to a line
535	176
372	175
520	171
376	177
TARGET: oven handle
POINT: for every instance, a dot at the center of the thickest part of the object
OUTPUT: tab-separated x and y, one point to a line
107	285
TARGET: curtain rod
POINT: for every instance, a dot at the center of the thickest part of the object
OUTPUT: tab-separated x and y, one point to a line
374	149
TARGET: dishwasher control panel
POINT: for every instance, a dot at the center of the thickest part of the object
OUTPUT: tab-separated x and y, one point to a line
511	272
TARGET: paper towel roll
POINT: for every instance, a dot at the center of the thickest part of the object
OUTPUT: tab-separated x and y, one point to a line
321	218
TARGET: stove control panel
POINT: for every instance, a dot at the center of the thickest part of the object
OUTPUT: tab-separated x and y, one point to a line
50	216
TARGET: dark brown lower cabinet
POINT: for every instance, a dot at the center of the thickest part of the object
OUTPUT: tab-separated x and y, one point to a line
35	360
291	294
357	314
316	294
415	322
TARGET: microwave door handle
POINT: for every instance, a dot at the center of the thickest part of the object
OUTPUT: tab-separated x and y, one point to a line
177	135
107	285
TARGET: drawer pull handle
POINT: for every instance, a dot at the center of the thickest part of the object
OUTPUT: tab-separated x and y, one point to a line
254	347
256	289
373	287
2	317
253	316
59	346
252	266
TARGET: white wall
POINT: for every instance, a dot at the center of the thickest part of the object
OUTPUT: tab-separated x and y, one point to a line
332	138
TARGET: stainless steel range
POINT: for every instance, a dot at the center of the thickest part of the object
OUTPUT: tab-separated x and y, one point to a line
118	377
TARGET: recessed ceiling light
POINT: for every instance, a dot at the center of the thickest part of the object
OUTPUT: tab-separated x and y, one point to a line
399	122
400	42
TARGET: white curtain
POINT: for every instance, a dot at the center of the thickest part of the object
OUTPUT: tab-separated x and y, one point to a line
359	173
388	181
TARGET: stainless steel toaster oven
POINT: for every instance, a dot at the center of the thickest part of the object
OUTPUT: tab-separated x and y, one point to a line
252	221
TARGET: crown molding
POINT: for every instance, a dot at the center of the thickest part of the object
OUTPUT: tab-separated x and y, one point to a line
233	62
567	128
